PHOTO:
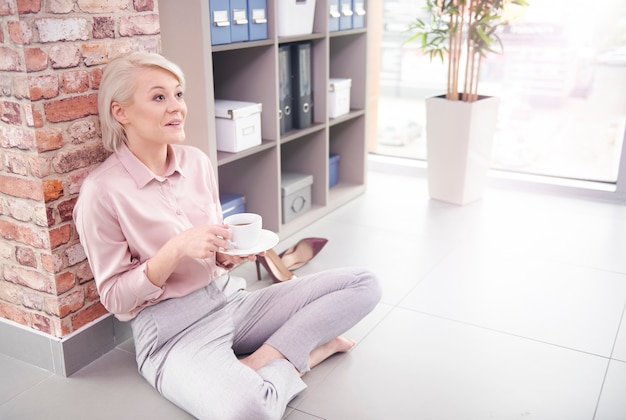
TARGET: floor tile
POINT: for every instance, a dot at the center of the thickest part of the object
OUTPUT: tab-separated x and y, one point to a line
18	377
619	352
612	404
566	305
109	388
418	366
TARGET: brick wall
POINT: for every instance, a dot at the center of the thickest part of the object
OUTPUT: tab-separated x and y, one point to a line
52	53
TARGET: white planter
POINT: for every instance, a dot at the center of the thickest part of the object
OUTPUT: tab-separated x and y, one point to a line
459	141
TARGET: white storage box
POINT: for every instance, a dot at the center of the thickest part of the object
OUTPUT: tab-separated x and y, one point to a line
296	194
238	125
338	97
295	17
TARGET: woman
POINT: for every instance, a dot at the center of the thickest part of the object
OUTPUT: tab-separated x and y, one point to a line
150	222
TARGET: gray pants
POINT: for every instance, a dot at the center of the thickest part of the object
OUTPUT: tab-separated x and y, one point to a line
187	347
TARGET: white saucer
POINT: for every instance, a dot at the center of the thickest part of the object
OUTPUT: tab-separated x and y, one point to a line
267	240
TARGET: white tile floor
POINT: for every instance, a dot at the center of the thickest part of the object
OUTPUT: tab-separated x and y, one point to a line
508	308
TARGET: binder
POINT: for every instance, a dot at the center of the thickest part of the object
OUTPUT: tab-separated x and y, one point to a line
333	15
285	116
358	17
257	19
220	21
345	8
302	80
238	20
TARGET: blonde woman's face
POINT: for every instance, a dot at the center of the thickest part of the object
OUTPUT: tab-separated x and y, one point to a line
156	115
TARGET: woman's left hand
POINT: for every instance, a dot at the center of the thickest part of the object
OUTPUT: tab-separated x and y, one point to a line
230	261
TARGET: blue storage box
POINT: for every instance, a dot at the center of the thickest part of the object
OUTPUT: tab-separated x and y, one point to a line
232	204
257	19
220	21
358	13
333	170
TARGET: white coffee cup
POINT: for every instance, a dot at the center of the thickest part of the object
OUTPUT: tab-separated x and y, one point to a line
245	229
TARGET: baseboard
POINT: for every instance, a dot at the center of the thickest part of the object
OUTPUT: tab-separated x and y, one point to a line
63	356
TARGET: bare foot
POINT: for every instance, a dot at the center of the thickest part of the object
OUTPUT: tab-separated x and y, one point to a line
336	345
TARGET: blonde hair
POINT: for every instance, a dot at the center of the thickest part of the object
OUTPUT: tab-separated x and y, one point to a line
118	85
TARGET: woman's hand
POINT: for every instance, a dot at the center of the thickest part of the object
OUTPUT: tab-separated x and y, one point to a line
229	261
202	241
197	242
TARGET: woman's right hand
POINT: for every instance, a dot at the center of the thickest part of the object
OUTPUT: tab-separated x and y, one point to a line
203	241
197	242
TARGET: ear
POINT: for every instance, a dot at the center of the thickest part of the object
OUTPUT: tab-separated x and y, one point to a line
119	113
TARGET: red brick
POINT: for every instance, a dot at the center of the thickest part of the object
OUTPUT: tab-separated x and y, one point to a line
48	139
7	8
99	6
16	163
65	209
96	77
41	323
83	131
103	27
10	292
63	56
24	234
143	5
83	272
28	6
43	87
60	236
87	315
29	278
19	32
64	282
71	108
71	302
47	263
75	82
37	117
91	292
26	256
40	166
14	313
66	29
36	59
52	189
67	161
139	25
21	187
10	112
9	59
94	54
60	327
33	300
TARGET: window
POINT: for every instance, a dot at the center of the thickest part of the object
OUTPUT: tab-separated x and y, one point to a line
561	80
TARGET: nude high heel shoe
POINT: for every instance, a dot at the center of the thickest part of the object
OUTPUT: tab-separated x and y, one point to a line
274	266
302	252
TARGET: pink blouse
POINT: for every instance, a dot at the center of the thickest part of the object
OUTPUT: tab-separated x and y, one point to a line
125	213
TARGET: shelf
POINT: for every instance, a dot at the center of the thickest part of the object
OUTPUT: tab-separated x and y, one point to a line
248	71
354	113
227	157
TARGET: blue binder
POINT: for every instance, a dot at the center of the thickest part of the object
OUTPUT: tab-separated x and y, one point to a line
238	20
345	8
358	16
333	15
257	19
220	21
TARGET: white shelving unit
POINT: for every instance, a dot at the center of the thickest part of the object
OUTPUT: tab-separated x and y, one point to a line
248	71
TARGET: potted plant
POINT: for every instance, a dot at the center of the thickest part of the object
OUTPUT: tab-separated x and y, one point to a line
460	124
